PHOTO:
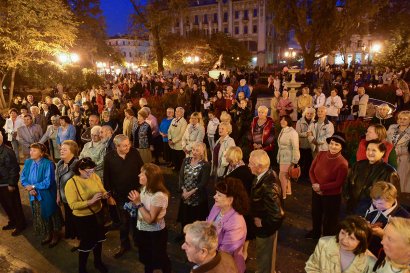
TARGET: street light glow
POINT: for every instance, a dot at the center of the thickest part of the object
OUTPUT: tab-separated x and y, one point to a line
376	48
66	58
74	57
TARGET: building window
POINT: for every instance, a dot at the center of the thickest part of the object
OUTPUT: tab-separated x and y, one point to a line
255	29
245	15
215	17
237	14
124	54
359	44
226	30
123	42
116	42
206	19
236	30
129	54
196	20
225	17
255	12
245	30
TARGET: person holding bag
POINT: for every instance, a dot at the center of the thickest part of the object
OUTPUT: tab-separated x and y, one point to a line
84	192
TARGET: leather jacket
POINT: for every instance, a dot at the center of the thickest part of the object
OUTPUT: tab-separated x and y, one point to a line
63	175
266	204
361	177
9	167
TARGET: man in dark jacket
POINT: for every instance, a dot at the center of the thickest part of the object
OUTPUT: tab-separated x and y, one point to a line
266	208
121	169
9	191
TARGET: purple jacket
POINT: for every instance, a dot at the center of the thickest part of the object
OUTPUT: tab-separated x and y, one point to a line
231	234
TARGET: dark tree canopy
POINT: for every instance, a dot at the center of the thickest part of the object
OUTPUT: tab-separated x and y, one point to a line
321	26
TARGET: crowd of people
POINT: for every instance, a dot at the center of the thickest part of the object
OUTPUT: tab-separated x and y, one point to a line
95	158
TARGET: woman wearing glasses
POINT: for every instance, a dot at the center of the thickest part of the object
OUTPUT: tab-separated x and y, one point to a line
84	192
38	179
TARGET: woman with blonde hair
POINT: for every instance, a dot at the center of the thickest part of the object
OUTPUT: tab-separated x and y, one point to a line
396	246
222	144
193	179
402	95
129	122
194	132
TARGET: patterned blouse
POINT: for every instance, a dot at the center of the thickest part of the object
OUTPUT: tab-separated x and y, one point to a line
191	181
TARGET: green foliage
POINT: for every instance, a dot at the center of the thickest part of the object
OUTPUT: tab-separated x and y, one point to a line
396	51
208	48
49	74
320	26
91	39
31	32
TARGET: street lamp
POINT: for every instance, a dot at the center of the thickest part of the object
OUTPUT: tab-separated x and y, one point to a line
191	60
376	48
68	58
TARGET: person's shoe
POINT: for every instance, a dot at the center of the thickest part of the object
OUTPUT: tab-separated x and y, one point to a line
8	227
54	243
121	252
311	235
101	267
17	232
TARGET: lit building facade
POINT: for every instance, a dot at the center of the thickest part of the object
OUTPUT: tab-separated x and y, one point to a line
245	20
134	51
360	50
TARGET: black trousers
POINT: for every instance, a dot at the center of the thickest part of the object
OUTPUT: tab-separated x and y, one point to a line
177	157
11	203
128	225
305	162
166	151
325	213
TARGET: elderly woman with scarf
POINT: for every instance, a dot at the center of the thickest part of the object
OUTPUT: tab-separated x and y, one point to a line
38	179
383	116
222	144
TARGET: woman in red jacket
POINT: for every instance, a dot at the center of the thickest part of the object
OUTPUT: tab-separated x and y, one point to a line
263	132
327	174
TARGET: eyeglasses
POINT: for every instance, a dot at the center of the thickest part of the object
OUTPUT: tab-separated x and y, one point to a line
89	171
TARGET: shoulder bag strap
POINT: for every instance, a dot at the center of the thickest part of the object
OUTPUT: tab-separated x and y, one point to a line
75	184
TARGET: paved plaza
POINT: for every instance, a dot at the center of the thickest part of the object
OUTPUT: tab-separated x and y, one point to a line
25	253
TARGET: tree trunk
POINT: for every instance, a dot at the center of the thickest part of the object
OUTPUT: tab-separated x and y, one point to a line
309	61
158	49
13	76
2	99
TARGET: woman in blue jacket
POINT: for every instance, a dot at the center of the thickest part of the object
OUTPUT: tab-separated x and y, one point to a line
38	179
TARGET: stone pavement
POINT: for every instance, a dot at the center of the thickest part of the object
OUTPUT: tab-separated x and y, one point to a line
25	253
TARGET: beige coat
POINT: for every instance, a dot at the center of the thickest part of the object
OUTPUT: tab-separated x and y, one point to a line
304	101
326	259
176	132
403	157
288	144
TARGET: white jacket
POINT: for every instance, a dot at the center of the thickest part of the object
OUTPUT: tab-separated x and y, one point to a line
320	132
333	105
319	101
212	126
222	163
362	102
11	128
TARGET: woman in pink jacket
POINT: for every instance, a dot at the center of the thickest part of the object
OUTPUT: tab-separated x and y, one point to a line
231	203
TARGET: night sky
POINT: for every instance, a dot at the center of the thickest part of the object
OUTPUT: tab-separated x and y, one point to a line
116	14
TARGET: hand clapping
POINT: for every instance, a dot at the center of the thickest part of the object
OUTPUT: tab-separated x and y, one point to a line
134	196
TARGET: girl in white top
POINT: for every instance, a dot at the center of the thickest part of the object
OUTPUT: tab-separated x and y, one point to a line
333	104
194	132
211	129
152	234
